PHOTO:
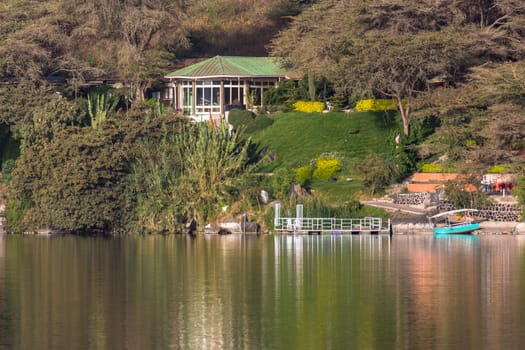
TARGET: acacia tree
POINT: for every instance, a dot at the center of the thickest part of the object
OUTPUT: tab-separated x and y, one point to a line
128	39
483	118
398	67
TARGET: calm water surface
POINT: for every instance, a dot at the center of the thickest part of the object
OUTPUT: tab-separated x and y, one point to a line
272	292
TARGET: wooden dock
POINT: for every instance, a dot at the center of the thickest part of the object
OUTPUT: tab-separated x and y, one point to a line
302	225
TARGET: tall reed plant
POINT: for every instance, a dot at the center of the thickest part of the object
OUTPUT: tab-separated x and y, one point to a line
189	175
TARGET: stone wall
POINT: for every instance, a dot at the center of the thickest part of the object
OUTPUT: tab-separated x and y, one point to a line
411	198
494	212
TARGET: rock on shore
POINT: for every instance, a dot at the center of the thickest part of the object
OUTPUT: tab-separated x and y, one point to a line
412	229
497	227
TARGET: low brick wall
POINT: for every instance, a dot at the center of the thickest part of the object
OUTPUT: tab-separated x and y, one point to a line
494	212
411	198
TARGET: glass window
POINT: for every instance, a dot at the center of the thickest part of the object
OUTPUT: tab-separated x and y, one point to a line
187	100
216	96
227	96
207	96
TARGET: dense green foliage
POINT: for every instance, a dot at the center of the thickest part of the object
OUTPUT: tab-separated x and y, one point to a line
9	147
240	118
189	175
73	177
247	121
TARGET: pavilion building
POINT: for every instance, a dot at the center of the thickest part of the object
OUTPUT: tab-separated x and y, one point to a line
212	87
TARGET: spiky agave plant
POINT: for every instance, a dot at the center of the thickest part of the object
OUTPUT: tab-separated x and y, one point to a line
100	106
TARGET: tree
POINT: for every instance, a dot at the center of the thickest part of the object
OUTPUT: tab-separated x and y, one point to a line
81	39
465	192
393	48
378	172
519	192
74	177
483	119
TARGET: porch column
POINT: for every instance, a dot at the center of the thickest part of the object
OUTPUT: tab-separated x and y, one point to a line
194	96
176	95
221	98
245	95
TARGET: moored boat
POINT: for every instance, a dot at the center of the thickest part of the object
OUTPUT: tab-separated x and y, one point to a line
454	222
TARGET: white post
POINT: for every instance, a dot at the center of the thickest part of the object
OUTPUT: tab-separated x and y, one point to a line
299	216
277	215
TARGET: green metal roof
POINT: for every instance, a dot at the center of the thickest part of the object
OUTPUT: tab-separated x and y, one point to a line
232	66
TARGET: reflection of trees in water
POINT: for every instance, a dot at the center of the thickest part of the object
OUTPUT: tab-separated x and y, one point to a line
461	290
278	292
5	315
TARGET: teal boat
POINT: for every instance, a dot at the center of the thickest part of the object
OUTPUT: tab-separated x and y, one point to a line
454	222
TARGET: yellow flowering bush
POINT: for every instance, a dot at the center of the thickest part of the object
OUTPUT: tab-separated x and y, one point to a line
499	169
326	167
432	168
303	174
375	105
308	106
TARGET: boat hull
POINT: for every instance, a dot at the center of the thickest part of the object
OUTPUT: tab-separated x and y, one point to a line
467	228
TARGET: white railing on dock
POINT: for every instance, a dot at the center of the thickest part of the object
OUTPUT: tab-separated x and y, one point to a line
300	224
328	224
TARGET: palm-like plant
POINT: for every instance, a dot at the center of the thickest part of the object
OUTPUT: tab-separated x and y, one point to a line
100	106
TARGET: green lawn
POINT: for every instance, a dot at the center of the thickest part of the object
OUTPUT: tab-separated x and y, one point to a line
295	139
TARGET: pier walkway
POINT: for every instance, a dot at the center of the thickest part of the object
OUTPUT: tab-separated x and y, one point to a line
302	225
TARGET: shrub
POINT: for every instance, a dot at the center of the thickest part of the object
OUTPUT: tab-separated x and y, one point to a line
519	192
308	107
303	174
457	192
470	143
286	91
378	172
280	183
499	168
259	123
15	211
432	168
375	105
239	117
7	169
326	167
338	102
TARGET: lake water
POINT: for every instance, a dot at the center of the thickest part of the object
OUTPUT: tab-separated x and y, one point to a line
268	292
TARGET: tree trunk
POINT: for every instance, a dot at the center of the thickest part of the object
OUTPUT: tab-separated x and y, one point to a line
140	89
405	115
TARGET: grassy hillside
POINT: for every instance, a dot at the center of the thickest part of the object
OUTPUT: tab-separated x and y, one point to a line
295	139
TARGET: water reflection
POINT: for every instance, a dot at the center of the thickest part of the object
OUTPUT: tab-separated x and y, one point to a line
3	309
276	292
